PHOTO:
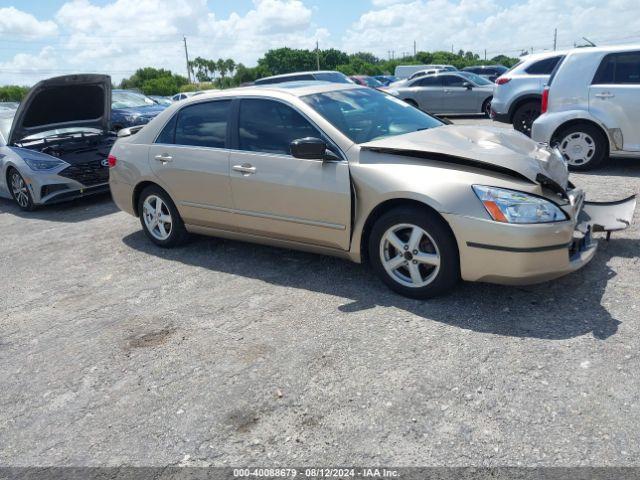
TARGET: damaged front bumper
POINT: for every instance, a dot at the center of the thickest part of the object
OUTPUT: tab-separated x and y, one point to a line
525	254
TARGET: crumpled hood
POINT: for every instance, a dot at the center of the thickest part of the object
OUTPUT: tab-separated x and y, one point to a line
492	148
82	100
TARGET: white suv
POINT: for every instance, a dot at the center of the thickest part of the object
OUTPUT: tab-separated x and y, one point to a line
518	92
591	107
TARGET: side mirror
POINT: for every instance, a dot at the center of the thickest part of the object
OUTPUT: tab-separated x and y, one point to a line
467	85
311	148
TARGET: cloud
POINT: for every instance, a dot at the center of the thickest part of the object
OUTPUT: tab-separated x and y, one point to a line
476	25
16	22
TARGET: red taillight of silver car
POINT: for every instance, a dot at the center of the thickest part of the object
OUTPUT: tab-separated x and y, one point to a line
545	100
502	80
112	161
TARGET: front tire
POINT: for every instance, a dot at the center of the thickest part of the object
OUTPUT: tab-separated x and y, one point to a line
414	253
582	146
525	115
160	219
19	190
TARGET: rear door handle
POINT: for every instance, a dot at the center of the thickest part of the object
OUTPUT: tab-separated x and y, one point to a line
605	95
245	168
164	158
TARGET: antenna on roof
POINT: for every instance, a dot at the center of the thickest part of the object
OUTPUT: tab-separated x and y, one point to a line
589	42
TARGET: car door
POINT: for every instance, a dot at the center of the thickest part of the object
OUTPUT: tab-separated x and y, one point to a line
458	98
277	195
614	96
428	93
192	162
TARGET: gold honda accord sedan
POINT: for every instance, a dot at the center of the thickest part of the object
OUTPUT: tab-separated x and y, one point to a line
352	172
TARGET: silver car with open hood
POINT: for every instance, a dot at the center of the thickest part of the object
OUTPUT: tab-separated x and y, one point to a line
350	171
54	147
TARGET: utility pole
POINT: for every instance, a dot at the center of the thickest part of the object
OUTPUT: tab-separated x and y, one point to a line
555	39
317	56
186	55
485	54
414	48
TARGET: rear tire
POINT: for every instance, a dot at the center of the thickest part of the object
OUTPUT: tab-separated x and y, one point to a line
582	146
19	190
525	115
160	219
486	107
414	253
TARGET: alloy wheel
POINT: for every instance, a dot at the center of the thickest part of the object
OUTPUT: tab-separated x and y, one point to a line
409	255
577	148
524	119
19	189
157	217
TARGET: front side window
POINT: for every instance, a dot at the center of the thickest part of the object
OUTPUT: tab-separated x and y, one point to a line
454	81
477	79
269	126
619	68
363	114
202	124
543	67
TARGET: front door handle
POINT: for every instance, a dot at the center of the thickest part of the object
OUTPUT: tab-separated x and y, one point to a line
605	95
245	168
164	158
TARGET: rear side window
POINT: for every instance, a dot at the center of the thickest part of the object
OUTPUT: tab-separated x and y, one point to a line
168	133
543	67
203	124
619	68
269	126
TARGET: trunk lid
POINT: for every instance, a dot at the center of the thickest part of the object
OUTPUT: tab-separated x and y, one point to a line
64	102
492	148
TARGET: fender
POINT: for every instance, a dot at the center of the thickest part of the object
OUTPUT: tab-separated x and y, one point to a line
560	119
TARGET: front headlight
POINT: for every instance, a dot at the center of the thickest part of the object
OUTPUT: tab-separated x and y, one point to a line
44	163
511	206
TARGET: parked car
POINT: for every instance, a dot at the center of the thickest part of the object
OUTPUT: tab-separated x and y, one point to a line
181	96
490	72
350	171
129	109
405	71
323	75
591	106
366	81
518	92
55	146
422	73
160	100
386	79
446	93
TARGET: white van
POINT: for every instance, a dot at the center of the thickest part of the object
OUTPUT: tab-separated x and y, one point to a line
405	71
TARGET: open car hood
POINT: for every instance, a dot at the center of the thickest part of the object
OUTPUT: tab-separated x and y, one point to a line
490	148
63	102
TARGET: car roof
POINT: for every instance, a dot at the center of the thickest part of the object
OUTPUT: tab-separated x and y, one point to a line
604	49
293	89
292	74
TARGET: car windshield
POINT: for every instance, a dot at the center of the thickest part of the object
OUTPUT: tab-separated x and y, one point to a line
333	77
364	114
130	100
477	79
70	131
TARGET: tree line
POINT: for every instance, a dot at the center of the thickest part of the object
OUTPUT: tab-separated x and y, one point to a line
225	73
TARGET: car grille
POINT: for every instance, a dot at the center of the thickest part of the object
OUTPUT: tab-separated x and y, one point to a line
90	173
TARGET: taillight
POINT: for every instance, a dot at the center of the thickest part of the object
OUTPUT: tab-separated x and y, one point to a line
545	100
502	80
112	161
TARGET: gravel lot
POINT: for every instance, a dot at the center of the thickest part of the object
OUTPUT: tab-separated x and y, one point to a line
116	352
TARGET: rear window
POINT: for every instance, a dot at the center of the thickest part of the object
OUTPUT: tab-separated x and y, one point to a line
543	67
619	68
202	124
